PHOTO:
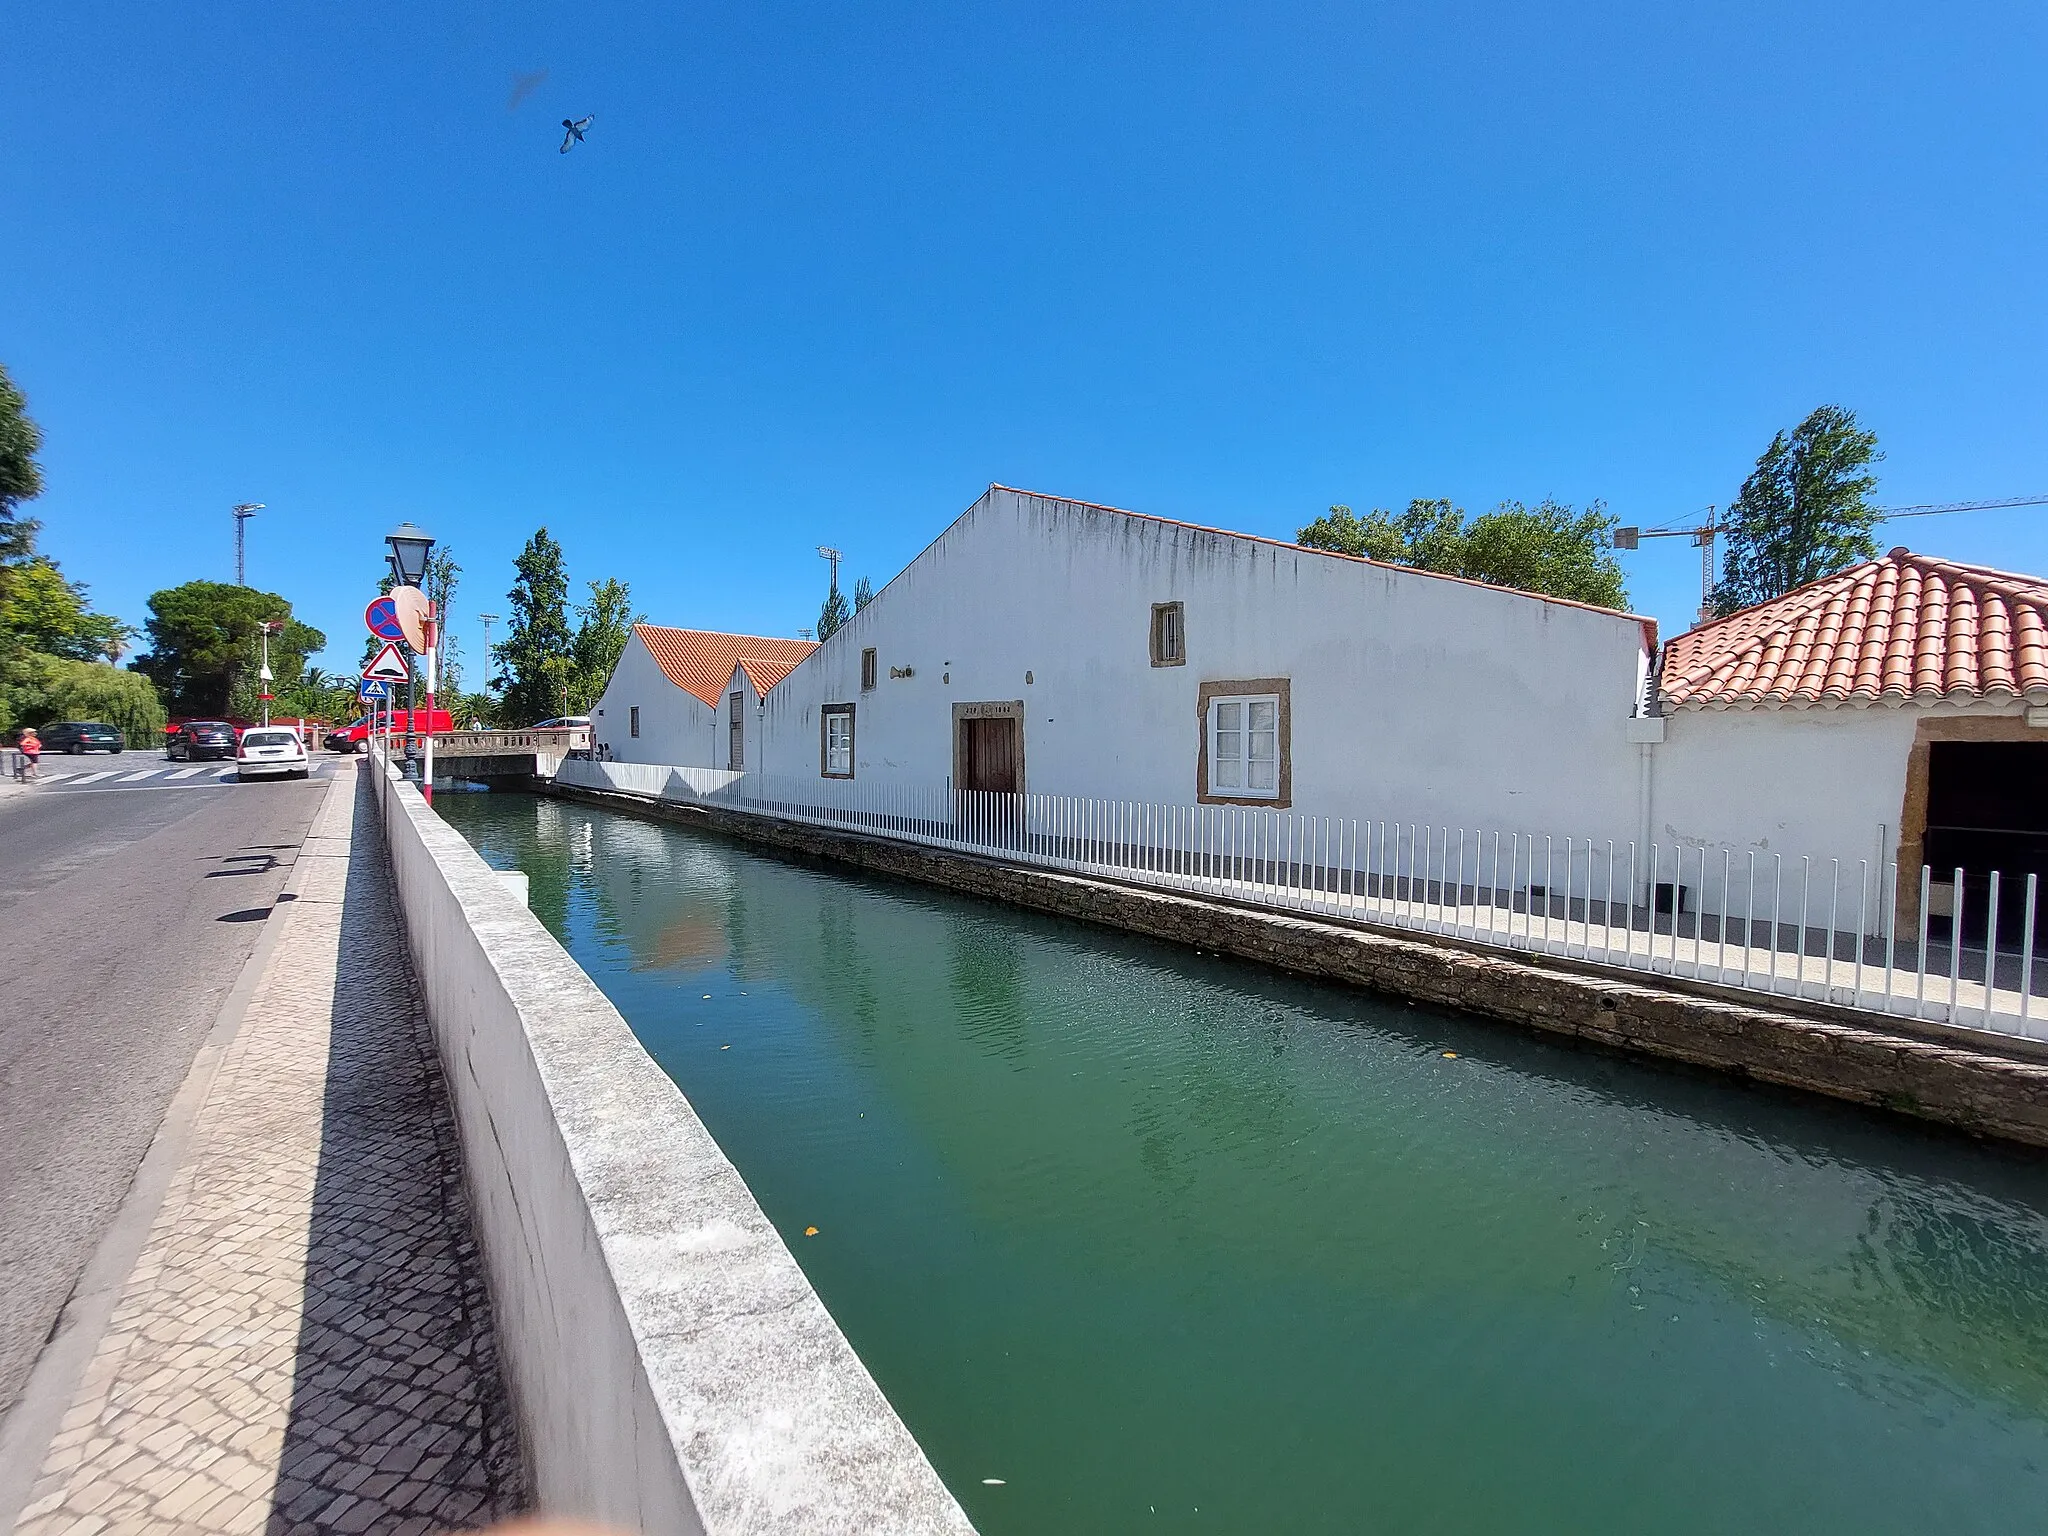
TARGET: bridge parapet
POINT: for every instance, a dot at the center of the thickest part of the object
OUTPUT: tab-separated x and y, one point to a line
554	743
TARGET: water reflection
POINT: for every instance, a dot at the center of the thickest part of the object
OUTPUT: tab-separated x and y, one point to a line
1141	1231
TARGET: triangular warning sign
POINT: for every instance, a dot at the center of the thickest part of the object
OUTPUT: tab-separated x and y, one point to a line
389	665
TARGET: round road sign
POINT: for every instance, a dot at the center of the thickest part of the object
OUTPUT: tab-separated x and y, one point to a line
382	619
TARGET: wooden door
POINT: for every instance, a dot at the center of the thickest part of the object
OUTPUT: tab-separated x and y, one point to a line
989	756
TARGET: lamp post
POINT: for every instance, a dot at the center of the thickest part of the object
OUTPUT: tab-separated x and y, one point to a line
410	548
489	619
263	674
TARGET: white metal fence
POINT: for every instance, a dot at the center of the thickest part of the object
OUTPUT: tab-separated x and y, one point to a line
1959	949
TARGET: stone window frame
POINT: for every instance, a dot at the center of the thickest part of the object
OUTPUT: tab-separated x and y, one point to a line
1175	616
825	714
1246	687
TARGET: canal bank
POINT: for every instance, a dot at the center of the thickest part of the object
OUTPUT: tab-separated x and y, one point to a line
1137	1237
1972	1081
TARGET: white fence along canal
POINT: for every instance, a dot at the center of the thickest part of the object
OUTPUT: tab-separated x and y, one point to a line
1952	946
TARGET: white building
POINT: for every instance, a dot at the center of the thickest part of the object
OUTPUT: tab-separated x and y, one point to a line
1895	711
691	696
1056	647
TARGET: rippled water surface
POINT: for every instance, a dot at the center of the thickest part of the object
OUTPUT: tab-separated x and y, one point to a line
1169	1242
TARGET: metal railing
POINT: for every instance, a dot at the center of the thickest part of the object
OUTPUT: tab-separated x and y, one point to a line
1951	946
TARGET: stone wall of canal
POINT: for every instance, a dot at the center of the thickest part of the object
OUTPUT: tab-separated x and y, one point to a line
1975	1083
671	1367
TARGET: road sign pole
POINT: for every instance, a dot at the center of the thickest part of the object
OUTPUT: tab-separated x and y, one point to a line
427	781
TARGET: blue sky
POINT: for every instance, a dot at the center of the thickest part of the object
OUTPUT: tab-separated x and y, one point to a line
821	273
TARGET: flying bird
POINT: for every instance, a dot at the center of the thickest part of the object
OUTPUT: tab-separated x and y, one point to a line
524	86
576	130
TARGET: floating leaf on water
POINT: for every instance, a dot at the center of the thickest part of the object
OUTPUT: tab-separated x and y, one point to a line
810	1231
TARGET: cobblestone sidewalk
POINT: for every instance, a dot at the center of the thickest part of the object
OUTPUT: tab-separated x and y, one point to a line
305	1344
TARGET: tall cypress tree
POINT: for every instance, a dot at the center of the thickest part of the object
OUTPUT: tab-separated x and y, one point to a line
535	655
1803	513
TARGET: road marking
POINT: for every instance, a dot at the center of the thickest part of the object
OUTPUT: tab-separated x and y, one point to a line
137	778
185	773
231	768
92	778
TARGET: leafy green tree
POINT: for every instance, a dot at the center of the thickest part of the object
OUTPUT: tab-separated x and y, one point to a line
1803	513
205	640
863	594
47	613
536	654
604	624
1549	549
21	480
833	614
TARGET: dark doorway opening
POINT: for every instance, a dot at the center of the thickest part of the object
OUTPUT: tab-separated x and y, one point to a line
989	756
1987	809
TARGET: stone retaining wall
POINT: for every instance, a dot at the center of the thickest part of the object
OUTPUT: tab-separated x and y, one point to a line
1978	1084
670	1366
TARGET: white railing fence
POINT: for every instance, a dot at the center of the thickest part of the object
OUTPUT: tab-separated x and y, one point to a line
1959	947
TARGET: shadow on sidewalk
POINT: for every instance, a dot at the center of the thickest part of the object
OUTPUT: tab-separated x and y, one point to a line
399	1423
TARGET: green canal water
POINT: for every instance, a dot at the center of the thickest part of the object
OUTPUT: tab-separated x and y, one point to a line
1172	1243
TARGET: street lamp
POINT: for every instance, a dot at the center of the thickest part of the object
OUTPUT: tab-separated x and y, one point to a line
270	627
410	548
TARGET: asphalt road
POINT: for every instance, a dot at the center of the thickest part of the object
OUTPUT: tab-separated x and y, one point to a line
124	922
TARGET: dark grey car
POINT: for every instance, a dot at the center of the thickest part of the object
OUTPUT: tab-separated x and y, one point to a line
201	741
81	736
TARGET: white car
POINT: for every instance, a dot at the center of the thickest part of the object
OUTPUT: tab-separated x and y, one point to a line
265	750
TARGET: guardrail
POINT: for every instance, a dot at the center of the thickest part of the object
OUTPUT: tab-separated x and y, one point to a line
1846	932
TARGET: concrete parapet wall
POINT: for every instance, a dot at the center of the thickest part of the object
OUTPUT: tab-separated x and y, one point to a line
1977	1084
671	1368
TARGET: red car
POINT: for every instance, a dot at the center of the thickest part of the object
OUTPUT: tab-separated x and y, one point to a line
350	738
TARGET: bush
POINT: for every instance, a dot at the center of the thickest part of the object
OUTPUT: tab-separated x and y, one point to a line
55	689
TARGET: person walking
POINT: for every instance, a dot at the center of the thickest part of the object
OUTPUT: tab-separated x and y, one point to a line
31	749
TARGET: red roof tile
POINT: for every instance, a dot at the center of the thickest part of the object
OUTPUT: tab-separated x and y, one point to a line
1904	629
701	661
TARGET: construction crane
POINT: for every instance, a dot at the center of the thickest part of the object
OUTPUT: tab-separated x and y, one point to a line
1704	533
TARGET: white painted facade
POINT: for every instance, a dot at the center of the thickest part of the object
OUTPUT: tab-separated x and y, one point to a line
1412	696
1799	782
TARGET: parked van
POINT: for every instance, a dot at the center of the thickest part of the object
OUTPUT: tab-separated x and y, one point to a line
350	737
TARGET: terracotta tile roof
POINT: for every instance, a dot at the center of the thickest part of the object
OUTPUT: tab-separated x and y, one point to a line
1906	629
765	674
701	661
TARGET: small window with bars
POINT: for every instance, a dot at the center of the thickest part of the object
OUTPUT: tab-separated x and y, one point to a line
867	670
1169	635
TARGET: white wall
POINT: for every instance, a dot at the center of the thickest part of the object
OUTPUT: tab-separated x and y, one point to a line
671	1368
1826	783
1413	697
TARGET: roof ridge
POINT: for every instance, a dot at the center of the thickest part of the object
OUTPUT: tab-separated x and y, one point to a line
1333	554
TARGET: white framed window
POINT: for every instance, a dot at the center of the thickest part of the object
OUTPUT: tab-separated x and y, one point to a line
1244	746
835	741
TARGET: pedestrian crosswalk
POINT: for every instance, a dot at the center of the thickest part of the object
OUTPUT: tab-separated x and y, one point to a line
161	776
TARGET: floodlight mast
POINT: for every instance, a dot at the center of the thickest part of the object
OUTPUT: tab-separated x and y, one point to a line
244	510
